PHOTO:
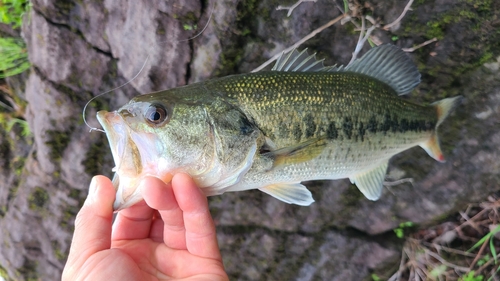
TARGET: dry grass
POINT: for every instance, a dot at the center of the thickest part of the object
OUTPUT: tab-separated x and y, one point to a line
466	248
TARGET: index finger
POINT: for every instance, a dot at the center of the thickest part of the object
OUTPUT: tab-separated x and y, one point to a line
201	237
92	225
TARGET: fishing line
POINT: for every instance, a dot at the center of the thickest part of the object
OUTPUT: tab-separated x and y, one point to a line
140	71
126	83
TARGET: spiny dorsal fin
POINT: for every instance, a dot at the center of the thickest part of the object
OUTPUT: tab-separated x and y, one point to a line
295	61
388	64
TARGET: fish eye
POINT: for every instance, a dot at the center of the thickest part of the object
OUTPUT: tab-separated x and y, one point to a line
156	114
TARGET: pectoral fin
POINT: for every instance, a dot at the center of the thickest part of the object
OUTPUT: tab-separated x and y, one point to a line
300	153
370	182
291	193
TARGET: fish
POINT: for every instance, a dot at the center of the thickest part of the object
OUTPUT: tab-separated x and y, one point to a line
272	130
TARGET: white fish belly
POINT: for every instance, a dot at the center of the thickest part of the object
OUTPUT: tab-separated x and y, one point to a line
339	159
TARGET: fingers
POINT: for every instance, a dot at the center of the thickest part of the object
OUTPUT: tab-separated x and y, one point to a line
185	222
93	223
133	223
156	232
160	196
200	233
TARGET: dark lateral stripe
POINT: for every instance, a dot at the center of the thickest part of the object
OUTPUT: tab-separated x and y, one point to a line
358	130
347	127
372	125
310	125
332	132
297	132
391	123
361	131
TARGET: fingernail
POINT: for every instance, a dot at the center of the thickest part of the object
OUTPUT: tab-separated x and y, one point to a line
93	186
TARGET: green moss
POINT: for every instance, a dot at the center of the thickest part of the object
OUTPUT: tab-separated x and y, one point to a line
12	192
467	14
58	142
17	164
486	57
110	77
229	60
160	30
3	210
473	13
5	150
78	195
436	30
350	197
469	19
480	5
241	35
56	247
419	3
38	198
4	274
64	7
74	193
189	21
94	158
245	10
29	270
74	96
68	218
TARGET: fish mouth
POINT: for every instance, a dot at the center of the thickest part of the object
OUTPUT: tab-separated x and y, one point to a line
114	126
126	157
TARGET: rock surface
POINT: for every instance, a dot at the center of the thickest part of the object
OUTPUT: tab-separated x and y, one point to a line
82	48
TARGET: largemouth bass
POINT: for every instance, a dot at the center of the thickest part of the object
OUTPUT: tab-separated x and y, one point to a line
271	130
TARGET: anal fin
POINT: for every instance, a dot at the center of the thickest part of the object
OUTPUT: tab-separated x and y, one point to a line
370	182
291	193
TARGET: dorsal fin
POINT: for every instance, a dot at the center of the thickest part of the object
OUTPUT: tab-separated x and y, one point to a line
295	61
386	63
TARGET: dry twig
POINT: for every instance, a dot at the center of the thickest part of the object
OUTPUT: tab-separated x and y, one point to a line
362	39
291	8
406	9
300	42
412	49
355	12
398	182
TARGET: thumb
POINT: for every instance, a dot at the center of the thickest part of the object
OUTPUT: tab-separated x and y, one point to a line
92	225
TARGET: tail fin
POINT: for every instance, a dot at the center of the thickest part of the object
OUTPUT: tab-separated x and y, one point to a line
443	108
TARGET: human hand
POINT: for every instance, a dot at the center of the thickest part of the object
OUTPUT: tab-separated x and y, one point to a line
170	235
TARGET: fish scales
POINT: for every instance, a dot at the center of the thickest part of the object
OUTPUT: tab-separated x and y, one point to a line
293	107
272	130
360	117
